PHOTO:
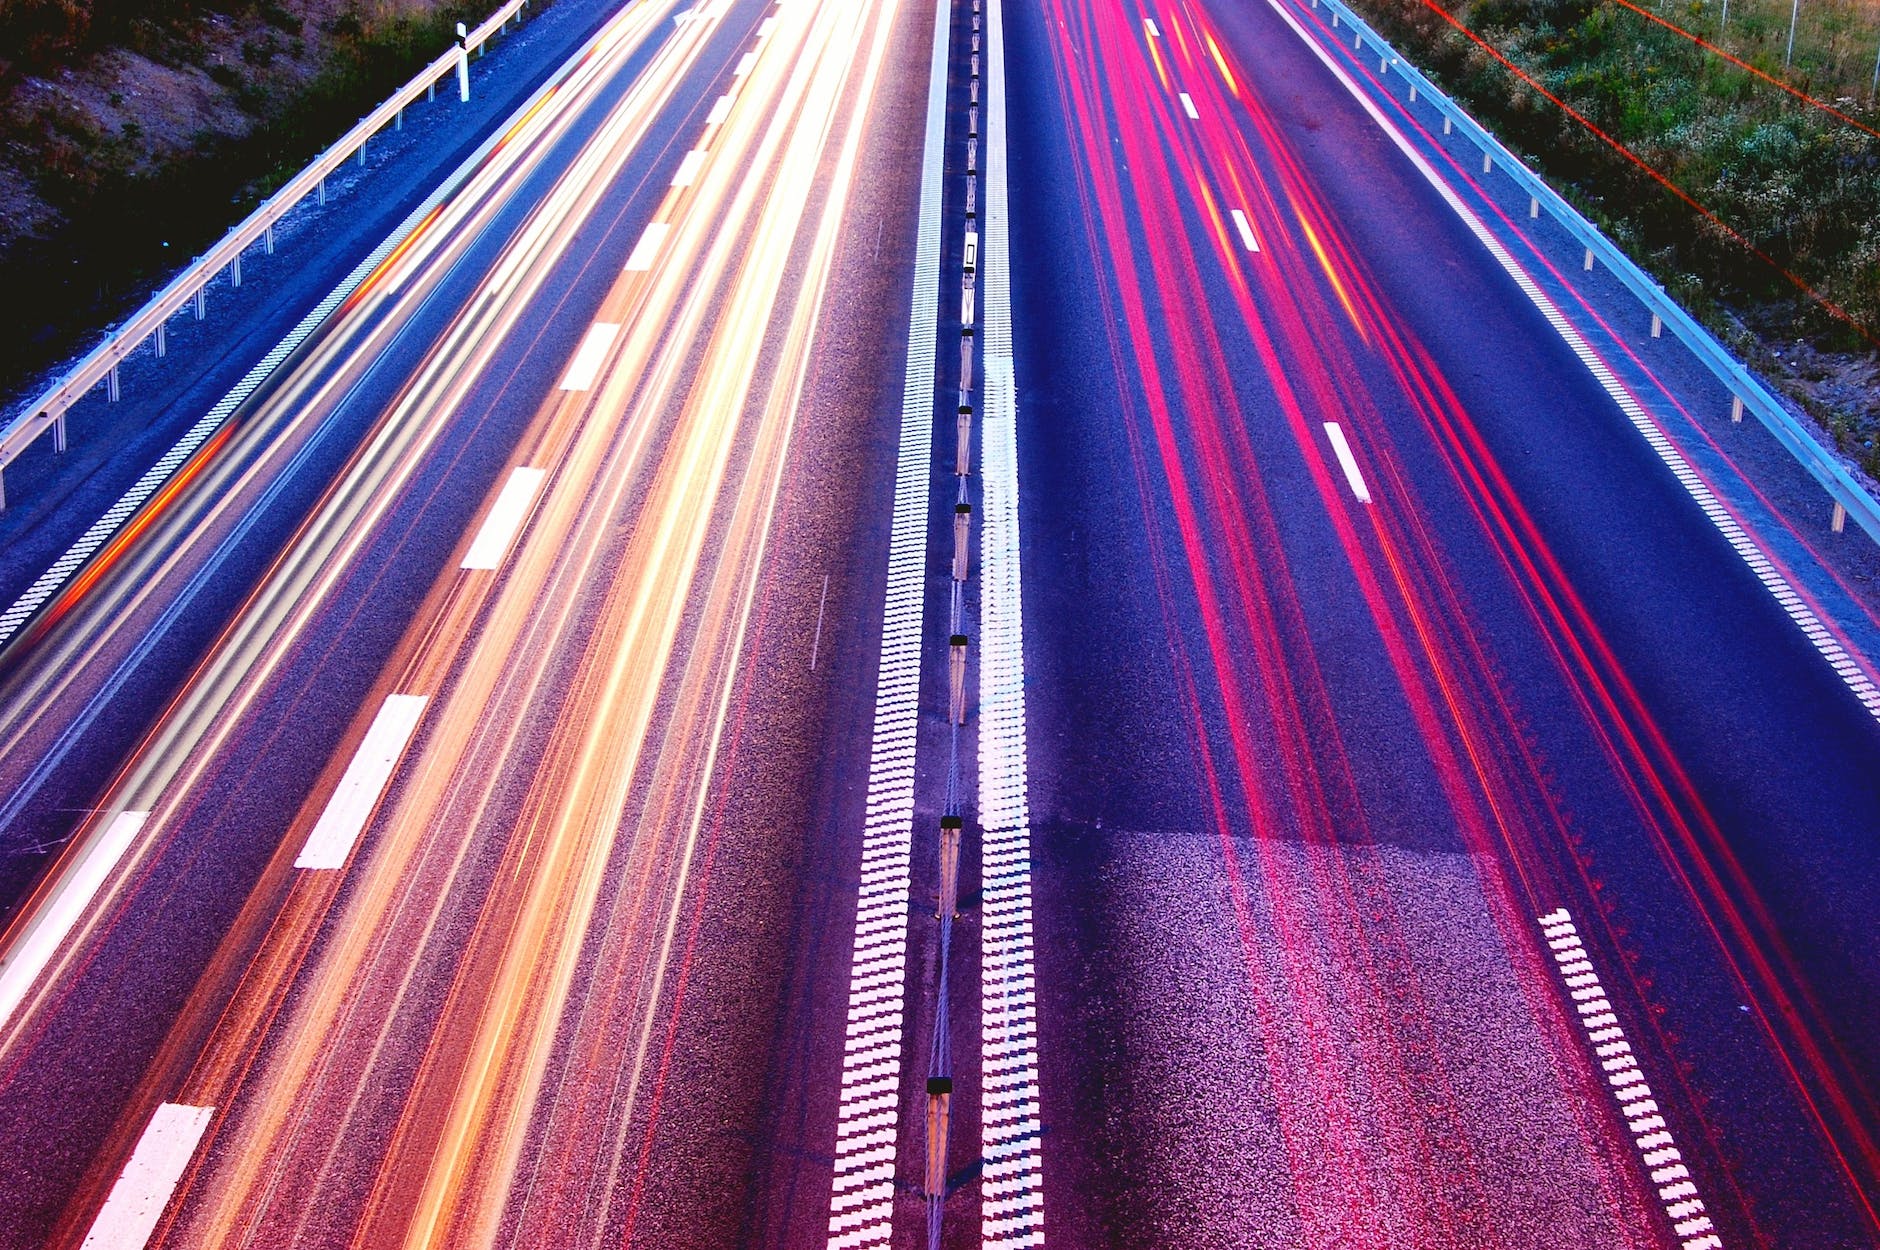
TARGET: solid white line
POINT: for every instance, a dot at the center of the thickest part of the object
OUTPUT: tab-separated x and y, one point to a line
1012	1185
1188	106
505	518
364	782
1155	31
721	109
143	1189
744	65
868	1111
765	27
586	365
1858	681
1347	461
46	933
689	167
647	249
1246	231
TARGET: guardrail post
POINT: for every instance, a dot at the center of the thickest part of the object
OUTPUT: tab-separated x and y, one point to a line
1838	522
202	302
1449	123
962	524
1658	326
956	679
430	92
950	828
398	120
1413	93
1534	207
1588	265
110	386
235	270
1488	161
362	153
58	433
463	64
163	340
267	238
321	191
939	1094
3	490
1736	409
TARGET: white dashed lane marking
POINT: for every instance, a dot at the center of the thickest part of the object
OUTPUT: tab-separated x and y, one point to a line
143	1189
506	515
647	249
1246	231
689	167
1346	461
1188	107
586	365
363	784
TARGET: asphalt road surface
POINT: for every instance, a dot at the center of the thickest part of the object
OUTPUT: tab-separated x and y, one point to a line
1391	763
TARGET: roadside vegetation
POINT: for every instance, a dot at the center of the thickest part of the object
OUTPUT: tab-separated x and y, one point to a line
1800	184
132	135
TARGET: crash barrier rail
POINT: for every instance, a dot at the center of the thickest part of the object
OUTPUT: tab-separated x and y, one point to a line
48	410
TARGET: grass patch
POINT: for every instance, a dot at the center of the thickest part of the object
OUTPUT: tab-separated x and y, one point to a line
124	226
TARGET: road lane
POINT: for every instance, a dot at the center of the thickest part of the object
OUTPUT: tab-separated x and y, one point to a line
1451	702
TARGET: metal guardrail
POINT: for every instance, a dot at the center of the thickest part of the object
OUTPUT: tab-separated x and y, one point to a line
1849	497
47	411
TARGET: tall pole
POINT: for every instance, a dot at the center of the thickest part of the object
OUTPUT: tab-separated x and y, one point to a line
1795	11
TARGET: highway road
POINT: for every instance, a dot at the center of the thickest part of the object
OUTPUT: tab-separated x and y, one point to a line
1384	767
